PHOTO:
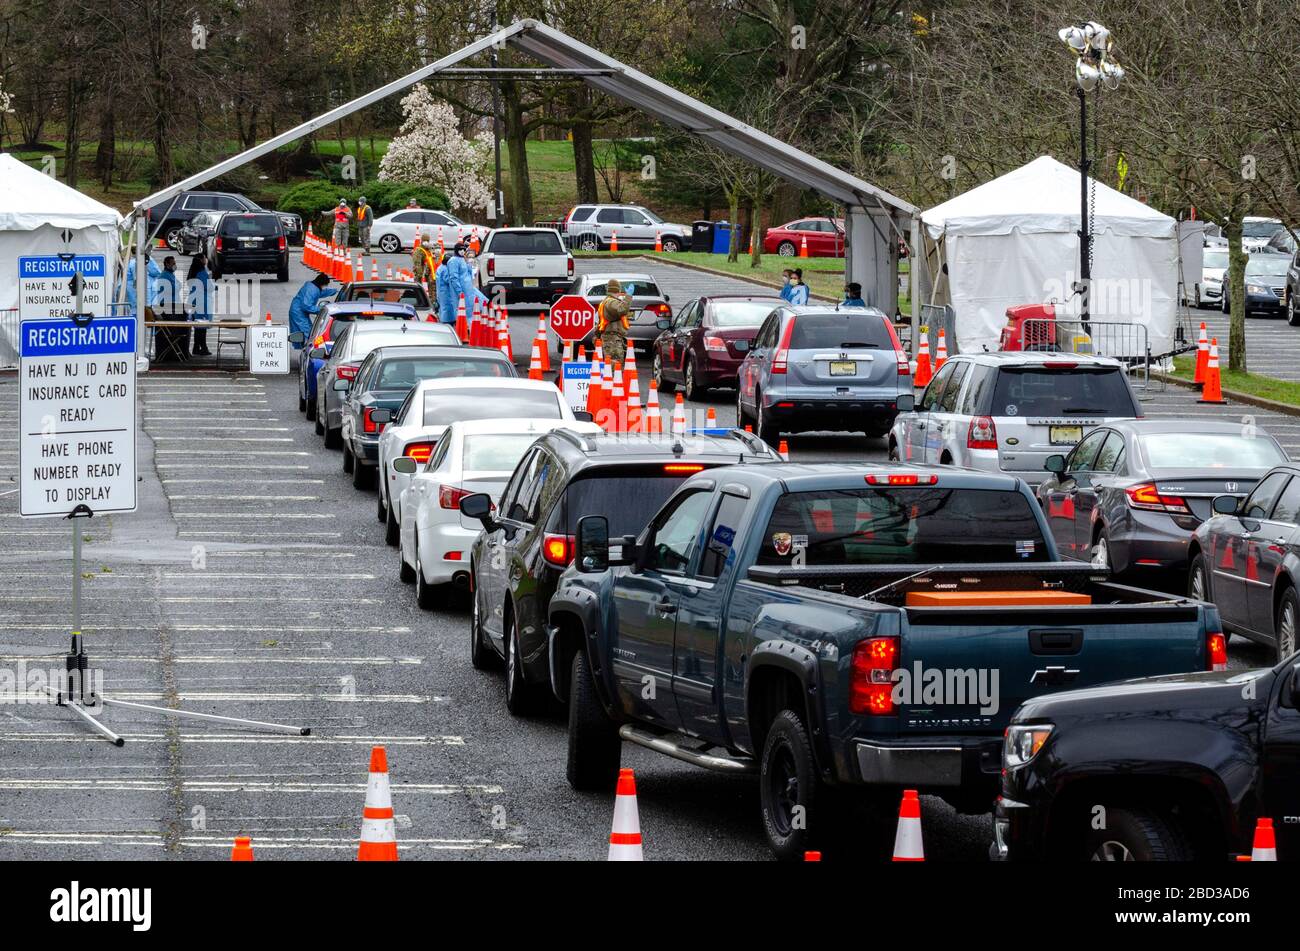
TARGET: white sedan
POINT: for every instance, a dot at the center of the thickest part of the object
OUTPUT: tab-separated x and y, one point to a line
472	456
435	404
396	230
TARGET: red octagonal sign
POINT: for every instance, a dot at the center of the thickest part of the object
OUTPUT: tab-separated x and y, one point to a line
572	318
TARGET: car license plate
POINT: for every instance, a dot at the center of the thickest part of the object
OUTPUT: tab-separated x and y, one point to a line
844	368
250	242
530	282
1065	435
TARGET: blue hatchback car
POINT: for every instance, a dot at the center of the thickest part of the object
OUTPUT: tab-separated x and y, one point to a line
323	331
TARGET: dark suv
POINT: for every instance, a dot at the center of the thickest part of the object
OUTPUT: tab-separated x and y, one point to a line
167	218
249	242
529	540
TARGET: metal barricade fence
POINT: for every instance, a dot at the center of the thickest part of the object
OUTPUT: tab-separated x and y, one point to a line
1125	342
933	318
9	339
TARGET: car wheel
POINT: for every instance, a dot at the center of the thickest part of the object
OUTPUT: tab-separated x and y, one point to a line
320	427
657	375
390	244
1292	317
302	403
392	527
671	245
1101	553
692	388
381	509
793	799
481	656
348	462
333	438
1198	580
589	242
1288	618
424	592
786	249
363	476
594	744
1226	308
174	240
767	428
1137	835
404	571
742	418
282	275
311	411
522	698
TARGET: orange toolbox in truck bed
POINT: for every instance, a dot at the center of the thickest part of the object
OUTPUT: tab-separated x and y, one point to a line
992	599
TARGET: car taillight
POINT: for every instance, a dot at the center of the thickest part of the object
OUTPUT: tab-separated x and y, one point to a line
368	422
663	310
570	266
558	549
871	682
491	266
1216	651
346	371
1146	496
449	496
904	368
715	343
782	356
283	244
902	478
420	451
218	242
982	433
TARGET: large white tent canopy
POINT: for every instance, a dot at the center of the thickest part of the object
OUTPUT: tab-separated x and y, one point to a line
1015	240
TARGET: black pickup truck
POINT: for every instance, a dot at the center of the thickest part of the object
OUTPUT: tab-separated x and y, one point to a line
1163	769
841	628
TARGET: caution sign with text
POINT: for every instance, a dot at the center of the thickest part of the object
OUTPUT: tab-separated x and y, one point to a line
77	416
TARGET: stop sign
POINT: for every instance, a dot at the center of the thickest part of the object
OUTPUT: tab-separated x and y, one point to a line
572	318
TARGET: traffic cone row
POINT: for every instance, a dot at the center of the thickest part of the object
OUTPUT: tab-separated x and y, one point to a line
1210	392
923	371
462	322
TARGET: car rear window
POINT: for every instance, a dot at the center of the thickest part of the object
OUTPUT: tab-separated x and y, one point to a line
632	288
740	313
837	331
362	344
526	242
412	294
1080	391
443	407
1210	451
930	525
629	496
258	226
495	452
405	372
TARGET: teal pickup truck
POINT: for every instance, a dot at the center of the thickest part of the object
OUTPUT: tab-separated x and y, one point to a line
842	629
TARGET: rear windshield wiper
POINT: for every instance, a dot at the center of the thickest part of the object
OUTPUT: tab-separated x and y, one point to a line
854	343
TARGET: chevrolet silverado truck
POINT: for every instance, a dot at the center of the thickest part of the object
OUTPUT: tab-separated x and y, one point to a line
1172	768
843	631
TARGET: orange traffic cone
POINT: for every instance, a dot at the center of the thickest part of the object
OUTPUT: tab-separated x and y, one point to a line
503	339
619	401
907	841
593	387
607	407
711	419
1211	393
940	352
1264	848
243	849
505	330
679	415
535	364
544	341
923	371
751	251
388	272
613	240
462	323
474	243
1202	356
268	316
783	450
374	268
625	837
803	246
634	413
654	423
378	830
659	242
358	269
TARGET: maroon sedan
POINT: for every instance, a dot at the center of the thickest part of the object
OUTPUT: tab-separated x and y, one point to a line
707	342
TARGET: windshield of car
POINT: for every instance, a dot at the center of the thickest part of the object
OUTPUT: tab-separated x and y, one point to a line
255	226
443	407
628	496
931	525
1214	259
1081	391
650	214
405	372
840	330
1210	451
1260	229
496	452
632	287
740	313
1267	265
526	242
361	344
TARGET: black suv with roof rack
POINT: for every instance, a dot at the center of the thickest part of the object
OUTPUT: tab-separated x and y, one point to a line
167	218
249	242
528	538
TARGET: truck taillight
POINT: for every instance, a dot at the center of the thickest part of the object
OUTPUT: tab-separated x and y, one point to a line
982	433
420	451
570	266
491	266
449	496
558	549
715	343
1146	496
902	478
781	358
283	244
1216	651
871	682
368	421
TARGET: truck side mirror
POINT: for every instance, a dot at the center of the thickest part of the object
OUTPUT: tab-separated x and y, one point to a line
1225	505
906	402
1055	463
593	543
479	506
405	465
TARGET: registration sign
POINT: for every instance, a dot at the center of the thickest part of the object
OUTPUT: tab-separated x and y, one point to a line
45	285
76	444
576	378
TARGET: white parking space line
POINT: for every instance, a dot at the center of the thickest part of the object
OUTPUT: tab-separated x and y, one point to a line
264	841
206	466
251	534
246	498
196	696
229	452
262	515
256	481
208	439
239	785
239	658
241	739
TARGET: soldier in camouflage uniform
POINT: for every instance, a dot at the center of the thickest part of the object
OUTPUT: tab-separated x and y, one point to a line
612	321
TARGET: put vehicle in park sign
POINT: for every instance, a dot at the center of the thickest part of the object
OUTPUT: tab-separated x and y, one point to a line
76	445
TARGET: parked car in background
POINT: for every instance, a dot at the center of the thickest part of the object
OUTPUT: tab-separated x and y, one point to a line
825	237
193	235
649	303
592	228
528	540
352	344
1128	497
329	320
822	368
1281	243
396	230
389	292
1246	559
473	456
1214	265
248	242
708	339
167	218
1291	289
1180	767
524	264
1009	411
1265	285
1256	232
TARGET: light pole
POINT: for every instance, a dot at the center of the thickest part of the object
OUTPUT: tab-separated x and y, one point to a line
1091	44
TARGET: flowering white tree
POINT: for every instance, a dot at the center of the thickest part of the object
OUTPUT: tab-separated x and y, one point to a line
429	150
6	99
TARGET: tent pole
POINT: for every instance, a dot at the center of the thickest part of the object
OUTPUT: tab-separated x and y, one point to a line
141	281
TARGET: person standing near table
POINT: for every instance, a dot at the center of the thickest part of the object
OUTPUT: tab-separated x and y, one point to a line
167	295
198	286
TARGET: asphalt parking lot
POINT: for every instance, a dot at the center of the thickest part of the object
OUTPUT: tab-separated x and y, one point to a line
254	582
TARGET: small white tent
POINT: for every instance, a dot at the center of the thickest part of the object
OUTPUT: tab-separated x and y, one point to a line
35	211
1015	240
